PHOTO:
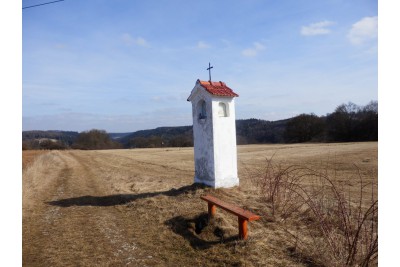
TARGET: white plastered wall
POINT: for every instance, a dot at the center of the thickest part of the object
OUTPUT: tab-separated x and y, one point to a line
203	139
215	153
224	136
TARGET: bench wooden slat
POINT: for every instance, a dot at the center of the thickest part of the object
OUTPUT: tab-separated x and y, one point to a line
244	214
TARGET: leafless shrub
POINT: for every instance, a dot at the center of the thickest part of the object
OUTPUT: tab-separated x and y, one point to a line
333	226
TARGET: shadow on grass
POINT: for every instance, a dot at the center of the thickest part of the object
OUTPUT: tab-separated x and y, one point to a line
121	199
187	228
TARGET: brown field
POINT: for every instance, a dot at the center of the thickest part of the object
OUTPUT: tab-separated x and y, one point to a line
28	156
138	207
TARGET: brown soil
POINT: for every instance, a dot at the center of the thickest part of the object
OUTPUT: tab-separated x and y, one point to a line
139	207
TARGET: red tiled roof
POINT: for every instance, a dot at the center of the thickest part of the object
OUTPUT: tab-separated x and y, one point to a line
217	88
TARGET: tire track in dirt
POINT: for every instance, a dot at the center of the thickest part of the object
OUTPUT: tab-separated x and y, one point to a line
80	234
108	220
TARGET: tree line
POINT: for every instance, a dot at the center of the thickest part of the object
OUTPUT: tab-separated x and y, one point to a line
348	123
93	139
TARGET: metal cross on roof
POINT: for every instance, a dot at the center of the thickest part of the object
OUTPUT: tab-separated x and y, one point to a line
209	70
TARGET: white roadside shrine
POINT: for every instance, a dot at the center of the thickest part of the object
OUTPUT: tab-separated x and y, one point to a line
214	133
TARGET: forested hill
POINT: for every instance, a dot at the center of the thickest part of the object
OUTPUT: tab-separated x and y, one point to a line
348	123
254	131
162	136
67	137
251	131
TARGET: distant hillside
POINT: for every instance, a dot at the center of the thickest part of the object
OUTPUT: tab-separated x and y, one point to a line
348	123
161	136
66	137
254	131
251	131
116	136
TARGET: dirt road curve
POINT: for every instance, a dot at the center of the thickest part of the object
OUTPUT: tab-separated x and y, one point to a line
71	211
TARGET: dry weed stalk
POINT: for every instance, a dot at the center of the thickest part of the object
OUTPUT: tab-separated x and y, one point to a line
342	228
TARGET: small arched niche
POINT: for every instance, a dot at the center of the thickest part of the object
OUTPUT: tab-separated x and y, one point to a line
202	109
223	109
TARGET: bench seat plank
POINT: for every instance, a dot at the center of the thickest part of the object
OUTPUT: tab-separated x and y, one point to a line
244	214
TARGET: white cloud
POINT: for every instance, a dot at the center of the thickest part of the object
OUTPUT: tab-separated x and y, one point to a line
129	40
317	28
202	45
363	30
253	51
141	41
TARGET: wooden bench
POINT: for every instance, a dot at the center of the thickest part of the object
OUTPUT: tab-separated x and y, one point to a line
244	216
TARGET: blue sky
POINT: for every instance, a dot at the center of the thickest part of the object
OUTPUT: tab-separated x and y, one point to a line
126	65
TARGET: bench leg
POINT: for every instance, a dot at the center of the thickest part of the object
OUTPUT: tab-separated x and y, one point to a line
242	228
211	209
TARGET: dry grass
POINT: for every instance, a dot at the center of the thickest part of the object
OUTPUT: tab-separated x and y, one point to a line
328	223
29	156
139	207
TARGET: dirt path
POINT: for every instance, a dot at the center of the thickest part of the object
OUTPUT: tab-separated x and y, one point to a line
75	234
